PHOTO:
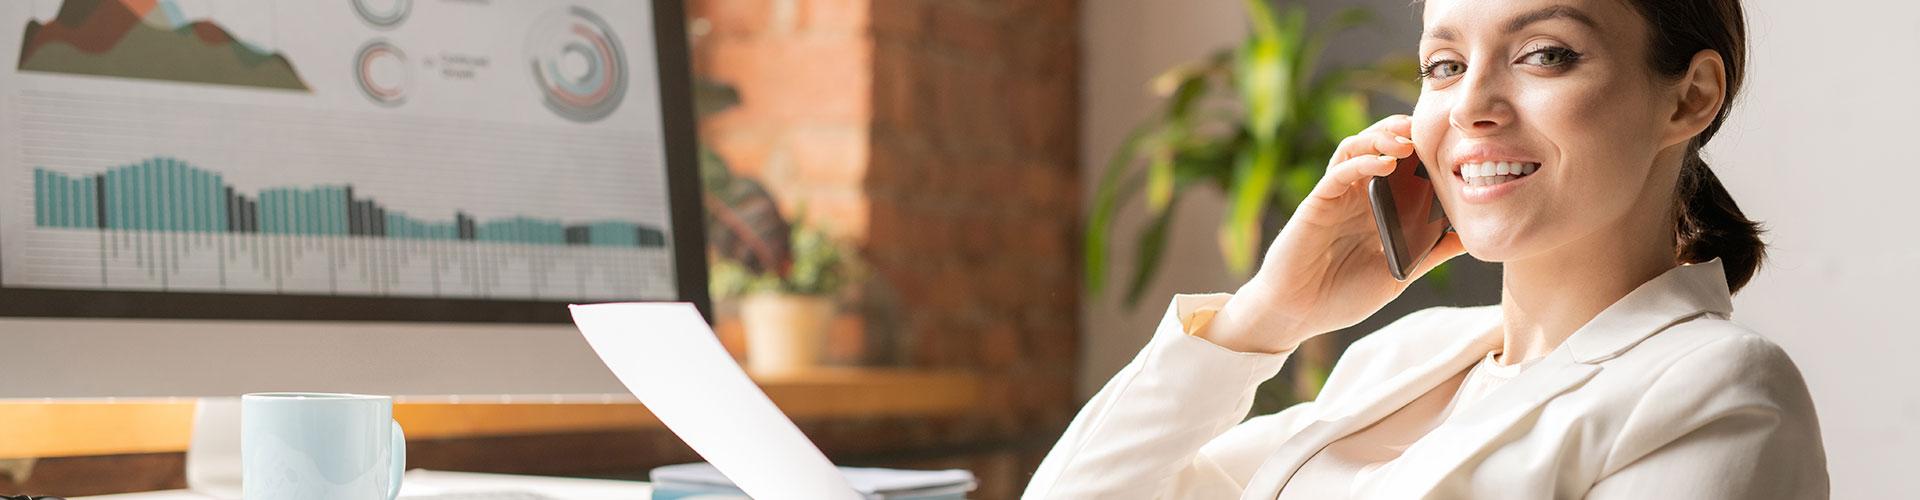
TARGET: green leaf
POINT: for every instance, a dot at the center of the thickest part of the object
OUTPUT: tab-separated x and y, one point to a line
1344	114
1252	183
1153	242
1115	185
1297	182
1160	177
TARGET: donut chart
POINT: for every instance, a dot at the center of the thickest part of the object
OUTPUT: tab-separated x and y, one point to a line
578	64
382	72
383	14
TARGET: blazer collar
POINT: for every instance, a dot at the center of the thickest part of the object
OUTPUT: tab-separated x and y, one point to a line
1678	294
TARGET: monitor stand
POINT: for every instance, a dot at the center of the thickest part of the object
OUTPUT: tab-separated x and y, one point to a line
213	454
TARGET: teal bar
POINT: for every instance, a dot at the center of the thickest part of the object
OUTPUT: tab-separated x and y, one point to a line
182	197
90	202
177	195
56	185
337	210
332	212
170	196
201	204
88	194
74	213
340	212
62	191
113	199
39	197
269	205
191	198
149	211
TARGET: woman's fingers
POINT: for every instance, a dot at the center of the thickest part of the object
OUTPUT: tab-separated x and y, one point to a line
1344	175
1391	136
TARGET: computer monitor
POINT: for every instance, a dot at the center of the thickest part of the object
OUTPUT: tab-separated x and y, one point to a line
214	197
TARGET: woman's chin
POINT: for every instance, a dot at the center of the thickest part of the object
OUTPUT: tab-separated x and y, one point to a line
1491	246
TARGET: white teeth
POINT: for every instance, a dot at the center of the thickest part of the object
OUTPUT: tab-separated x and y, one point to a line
1490	173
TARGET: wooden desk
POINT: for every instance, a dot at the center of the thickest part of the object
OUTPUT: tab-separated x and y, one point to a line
30	429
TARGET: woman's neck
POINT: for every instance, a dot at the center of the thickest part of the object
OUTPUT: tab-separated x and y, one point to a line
1544	299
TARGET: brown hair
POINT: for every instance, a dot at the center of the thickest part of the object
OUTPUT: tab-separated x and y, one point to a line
1709	223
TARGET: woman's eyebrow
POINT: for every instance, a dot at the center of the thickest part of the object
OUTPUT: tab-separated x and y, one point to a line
1521	21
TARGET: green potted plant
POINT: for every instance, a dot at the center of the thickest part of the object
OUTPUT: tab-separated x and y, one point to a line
1257	122
787	310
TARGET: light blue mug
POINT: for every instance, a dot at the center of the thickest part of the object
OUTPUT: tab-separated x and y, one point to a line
304	445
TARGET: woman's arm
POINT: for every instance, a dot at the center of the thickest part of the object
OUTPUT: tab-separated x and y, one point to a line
1732	420
1165	426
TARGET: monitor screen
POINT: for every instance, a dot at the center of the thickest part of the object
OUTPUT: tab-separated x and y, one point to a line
351	160
214	197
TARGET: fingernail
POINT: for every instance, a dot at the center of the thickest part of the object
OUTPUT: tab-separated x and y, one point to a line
1402	140
1388	158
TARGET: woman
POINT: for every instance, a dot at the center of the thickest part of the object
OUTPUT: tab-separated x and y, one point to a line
1563	137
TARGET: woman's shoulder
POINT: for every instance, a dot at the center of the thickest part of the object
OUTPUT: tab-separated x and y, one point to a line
1713	355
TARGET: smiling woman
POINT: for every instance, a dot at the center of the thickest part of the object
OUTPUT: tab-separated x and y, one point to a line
1563	140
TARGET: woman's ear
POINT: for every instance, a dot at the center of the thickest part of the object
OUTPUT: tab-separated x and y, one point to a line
1698	98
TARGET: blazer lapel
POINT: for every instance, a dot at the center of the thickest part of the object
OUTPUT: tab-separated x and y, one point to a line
1361	410
1433	458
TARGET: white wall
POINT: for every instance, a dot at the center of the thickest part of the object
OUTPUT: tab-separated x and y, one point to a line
1814	149
1127	43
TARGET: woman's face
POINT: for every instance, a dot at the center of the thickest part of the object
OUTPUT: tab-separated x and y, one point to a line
1559	90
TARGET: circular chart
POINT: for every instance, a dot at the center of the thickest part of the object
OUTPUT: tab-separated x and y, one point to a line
381	69
383	14
578	64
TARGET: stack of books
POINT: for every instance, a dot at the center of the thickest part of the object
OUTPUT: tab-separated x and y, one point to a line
703	482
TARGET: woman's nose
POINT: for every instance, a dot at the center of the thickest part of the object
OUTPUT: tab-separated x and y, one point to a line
1481	105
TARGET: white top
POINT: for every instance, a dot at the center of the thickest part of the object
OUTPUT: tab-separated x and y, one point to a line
1354	466
1658	396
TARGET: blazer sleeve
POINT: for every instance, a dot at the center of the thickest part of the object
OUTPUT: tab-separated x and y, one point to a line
1732	420
1168	425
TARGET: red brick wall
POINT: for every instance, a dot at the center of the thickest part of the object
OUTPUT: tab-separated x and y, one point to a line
940	136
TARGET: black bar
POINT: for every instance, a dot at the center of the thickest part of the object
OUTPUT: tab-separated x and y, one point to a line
379	221
649	237
233	212
464	226
100	200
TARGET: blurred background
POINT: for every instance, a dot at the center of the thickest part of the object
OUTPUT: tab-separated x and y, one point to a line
990	202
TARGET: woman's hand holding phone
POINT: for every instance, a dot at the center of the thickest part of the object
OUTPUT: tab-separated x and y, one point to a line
1326	270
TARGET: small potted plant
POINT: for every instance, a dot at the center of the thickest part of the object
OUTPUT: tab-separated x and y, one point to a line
787	310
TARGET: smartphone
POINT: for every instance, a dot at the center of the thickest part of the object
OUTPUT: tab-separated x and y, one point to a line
1408	213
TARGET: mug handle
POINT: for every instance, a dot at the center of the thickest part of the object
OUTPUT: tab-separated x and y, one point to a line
398	461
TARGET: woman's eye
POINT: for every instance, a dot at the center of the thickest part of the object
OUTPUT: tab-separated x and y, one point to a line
1551	57
1442	69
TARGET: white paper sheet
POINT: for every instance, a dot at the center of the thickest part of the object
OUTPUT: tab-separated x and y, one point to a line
668	357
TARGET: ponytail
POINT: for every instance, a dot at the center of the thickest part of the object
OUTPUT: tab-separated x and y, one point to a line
1710	225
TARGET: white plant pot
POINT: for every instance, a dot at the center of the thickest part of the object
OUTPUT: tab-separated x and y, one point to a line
785	333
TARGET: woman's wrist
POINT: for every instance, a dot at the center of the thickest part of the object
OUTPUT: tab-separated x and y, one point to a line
1251	322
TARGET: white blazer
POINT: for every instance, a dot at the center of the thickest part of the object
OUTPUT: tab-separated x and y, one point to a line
1659	396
